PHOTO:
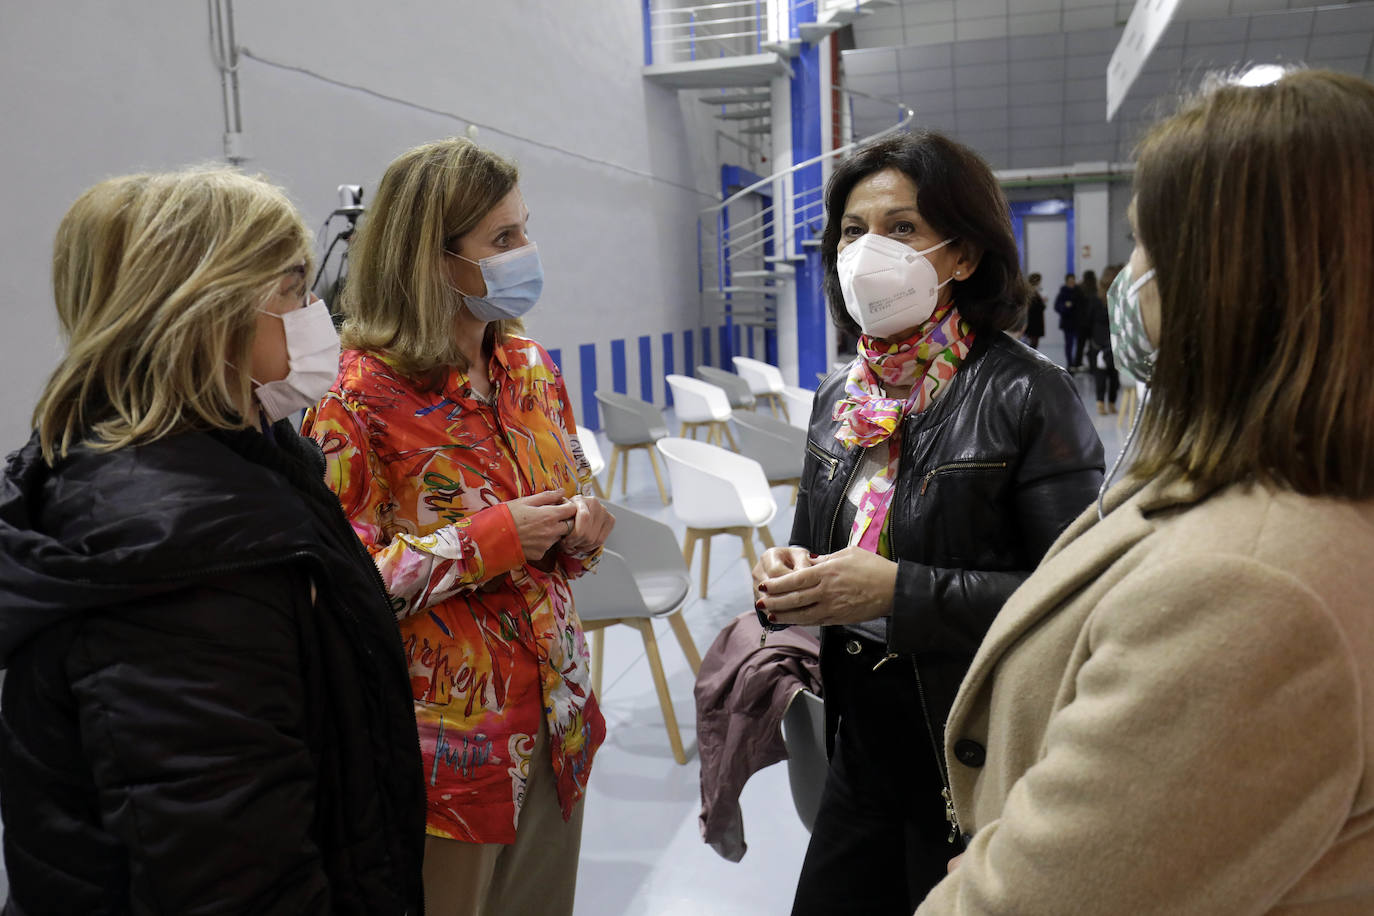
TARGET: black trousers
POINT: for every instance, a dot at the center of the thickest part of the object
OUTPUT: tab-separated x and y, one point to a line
1073	348
880	841
1107	379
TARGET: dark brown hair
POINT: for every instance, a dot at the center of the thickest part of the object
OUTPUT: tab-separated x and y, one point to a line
958	196
1256	207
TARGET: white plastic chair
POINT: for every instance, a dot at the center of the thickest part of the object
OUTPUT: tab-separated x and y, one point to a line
803	734
699	404
765	380
630	424
641	577
799	401
591	449
717	492
775	444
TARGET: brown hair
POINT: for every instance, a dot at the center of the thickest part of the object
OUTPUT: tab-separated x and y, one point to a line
1256	207
158	280
397	300
958	196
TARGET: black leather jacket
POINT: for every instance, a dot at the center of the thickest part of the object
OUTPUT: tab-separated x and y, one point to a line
990	474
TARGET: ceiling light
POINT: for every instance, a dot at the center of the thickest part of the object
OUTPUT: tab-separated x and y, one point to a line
1261	75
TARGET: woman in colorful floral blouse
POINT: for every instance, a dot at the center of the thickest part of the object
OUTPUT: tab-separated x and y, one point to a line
451	444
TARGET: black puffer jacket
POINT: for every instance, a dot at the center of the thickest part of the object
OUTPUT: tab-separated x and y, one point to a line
990	474
184	729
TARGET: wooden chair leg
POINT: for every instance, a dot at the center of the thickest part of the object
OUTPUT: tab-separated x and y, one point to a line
684	639
689	546
598	659
665	701
796	488
705	561
773	403
765	535
596	488
734	447
610	480
658	478
624	472
778	399
747	538
682	433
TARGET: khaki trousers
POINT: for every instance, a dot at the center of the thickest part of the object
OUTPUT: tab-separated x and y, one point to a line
534	876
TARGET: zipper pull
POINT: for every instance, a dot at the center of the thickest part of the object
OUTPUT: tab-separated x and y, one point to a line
884	660
950	815
763	638
925	483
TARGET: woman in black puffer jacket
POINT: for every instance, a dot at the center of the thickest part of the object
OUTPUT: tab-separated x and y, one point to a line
940	466
206	707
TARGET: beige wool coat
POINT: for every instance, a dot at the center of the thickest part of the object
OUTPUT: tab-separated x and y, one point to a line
1175	715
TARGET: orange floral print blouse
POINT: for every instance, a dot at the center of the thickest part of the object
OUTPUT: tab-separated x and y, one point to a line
423	473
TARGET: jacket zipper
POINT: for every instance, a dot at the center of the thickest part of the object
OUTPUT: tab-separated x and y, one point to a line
950	815
959	465
824	456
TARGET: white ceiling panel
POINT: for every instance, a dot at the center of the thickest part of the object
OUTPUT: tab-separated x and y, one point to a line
1025	116
1038	71
1033	23
982	9
1281	25
1344	19
1031	91
974	29
929	34
1334	47
990	50
980	75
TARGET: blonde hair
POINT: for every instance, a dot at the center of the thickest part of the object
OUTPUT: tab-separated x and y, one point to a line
397	299
157	280
1256	206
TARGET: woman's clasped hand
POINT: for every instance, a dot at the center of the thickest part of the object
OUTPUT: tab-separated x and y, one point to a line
794	586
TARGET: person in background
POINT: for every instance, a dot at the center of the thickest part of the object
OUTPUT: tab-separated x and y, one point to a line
1106	379
1035	313
1089	296
1066	306
451	444
941	463
1175	713
206	707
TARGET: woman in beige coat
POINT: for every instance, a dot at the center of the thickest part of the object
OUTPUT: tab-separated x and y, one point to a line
1175	713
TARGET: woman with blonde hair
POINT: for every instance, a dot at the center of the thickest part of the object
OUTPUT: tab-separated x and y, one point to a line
206	705
451	444
1175	713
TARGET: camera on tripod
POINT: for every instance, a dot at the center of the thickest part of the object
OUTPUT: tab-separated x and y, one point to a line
350	208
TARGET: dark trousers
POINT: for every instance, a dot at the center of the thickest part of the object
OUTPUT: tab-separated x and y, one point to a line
1105	376
1072	353
880	841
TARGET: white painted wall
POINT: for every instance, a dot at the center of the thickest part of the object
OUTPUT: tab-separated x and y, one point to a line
1046	246
612	167
1091	222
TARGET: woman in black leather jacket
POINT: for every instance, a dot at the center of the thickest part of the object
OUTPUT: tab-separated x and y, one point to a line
940	466
206	705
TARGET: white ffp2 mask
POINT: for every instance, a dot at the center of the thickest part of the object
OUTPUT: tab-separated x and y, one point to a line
888	286
312	353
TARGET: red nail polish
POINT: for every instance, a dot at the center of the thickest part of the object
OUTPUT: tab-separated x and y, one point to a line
763	588
772	618
814	555
758	605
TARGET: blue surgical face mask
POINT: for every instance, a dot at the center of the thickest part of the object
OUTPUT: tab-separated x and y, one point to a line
514	281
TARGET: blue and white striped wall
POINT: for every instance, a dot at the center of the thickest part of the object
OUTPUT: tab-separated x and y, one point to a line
636	365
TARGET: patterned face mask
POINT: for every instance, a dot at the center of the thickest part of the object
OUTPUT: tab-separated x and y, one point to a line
1131	346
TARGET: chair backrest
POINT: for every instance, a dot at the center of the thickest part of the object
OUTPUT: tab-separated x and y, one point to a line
763	378
714	482
803	734
648	545
591	449
609	591
630	421
799	401
776	444
736	388
696	401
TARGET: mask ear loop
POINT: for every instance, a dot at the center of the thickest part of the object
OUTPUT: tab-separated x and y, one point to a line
1125	448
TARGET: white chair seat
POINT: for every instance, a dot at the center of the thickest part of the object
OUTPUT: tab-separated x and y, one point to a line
662	593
